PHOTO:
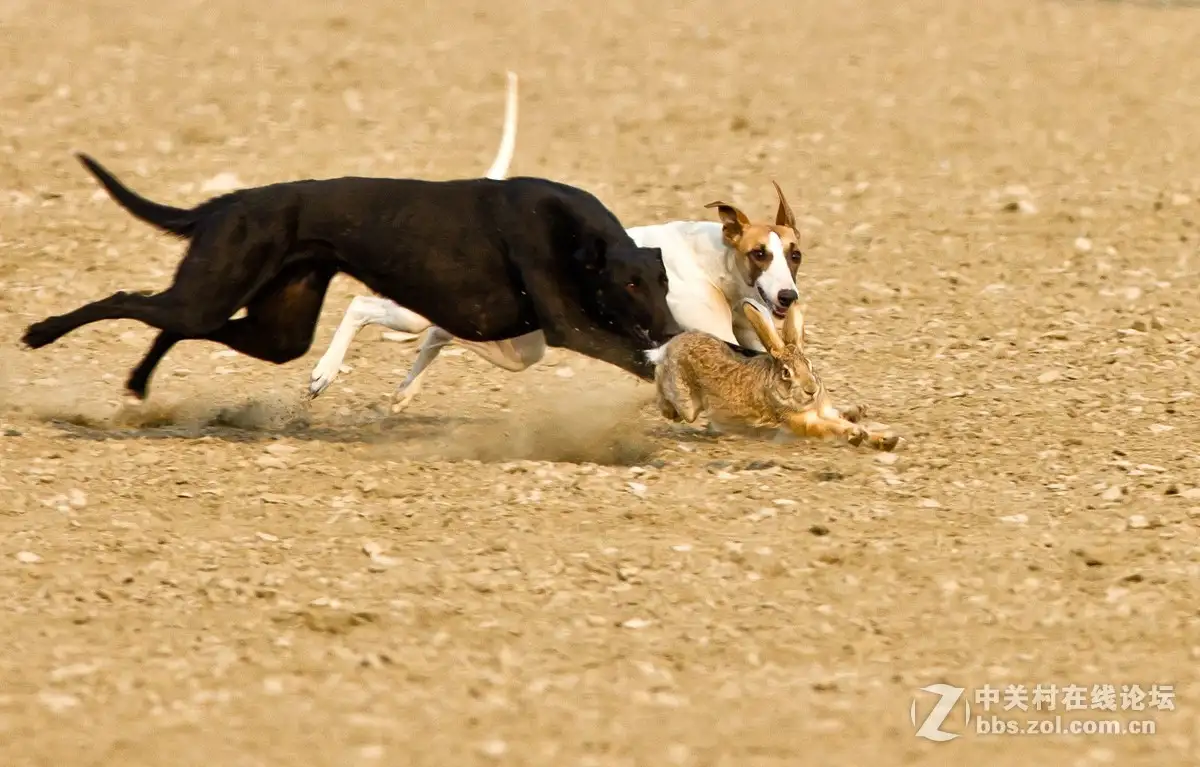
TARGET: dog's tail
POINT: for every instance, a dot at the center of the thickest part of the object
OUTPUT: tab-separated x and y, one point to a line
177	221
508	139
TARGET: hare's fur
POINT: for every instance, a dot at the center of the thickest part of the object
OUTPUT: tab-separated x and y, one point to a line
698	373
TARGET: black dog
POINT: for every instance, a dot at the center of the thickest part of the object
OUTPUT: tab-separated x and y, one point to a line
486	260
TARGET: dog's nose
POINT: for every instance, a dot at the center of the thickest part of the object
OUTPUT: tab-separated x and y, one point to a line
787	297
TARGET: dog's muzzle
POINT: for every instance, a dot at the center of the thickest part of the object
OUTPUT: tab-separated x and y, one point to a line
776	309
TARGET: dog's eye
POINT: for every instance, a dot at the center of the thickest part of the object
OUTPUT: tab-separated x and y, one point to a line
759	253
632	285
797	256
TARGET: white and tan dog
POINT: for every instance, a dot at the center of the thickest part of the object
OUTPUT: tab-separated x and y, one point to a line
711	268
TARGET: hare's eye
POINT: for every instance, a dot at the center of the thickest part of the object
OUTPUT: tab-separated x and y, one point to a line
786	373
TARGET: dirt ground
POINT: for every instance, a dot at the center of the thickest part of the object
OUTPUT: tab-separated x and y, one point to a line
1000	206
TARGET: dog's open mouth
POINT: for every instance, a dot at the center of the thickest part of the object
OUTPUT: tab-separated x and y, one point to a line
776	309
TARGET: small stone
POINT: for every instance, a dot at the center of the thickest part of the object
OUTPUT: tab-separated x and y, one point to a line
564	372
28	558
862	232
221	183
1180	199
57	702
682	547
1137	522
784	502
1083	245
270	462
929	503
281	449
1160	428
76	498
1113	493
267	537
1140	326
1016	519
494	748
887	459
1050	376
819	530
1191	494
636	623
638	489
372	752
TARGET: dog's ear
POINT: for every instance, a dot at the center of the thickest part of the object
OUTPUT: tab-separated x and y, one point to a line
764	327
793	327
733	221
784	217
592	254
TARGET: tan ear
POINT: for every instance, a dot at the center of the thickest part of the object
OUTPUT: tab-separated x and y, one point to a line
784	217
734	221
793	327
764	327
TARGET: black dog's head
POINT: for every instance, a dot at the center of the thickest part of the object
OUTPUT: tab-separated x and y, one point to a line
628	290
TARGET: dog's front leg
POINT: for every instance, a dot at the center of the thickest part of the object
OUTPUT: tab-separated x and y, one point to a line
363	311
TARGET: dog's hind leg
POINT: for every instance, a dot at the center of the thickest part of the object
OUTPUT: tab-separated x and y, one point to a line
511	354
363	311
159	310
278	327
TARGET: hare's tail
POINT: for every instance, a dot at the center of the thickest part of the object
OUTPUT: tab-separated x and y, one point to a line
656	356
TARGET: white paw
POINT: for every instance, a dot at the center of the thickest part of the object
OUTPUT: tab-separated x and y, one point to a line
402	398
323	375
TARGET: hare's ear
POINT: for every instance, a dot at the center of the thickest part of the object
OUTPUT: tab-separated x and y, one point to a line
764	327
793	327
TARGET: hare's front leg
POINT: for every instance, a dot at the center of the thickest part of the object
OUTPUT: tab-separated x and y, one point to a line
813	424
854	413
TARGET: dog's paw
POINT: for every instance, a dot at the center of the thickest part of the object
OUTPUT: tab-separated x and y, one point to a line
402	398
322	375
135	389
40	334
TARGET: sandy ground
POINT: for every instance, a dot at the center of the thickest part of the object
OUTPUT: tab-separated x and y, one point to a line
1000	203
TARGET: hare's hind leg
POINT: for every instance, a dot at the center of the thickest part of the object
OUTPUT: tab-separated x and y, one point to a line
677	400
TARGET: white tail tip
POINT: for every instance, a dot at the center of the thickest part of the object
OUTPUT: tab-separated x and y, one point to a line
656	356
508	136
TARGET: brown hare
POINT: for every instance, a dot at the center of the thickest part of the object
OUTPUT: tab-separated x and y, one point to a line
698	373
